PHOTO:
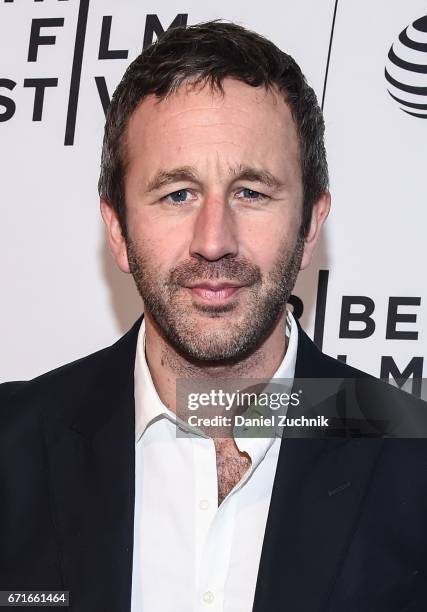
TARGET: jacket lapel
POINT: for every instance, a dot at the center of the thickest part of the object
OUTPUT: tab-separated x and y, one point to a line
92	458
317	497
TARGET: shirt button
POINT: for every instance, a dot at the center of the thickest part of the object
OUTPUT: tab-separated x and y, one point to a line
204	504
208	597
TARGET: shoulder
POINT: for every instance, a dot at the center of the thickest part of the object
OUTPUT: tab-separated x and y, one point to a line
62	373
313	363
365	405
68	384
24	399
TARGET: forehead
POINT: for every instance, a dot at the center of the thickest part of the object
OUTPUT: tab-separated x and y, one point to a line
252	122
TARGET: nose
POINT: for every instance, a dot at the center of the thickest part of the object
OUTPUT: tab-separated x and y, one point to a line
214	231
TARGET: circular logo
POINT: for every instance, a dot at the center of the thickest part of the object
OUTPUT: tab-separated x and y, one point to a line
406	69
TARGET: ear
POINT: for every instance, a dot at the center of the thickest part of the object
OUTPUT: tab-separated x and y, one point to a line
318	217
114	235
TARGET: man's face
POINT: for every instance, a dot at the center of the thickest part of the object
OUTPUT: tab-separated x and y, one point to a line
214	195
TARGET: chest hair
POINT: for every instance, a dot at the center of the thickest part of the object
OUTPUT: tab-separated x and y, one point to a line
231	465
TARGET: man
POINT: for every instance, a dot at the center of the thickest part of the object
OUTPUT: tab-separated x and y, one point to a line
214	189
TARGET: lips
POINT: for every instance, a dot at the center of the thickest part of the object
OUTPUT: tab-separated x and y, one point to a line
214	292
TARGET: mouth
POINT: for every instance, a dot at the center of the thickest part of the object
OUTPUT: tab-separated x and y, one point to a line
214	293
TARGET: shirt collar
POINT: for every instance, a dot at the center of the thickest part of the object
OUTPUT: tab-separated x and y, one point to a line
149	407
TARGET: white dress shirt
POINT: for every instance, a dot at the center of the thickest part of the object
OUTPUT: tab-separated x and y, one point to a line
189	554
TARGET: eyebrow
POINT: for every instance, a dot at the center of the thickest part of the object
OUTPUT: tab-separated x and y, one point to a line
167	177
256	175
189	174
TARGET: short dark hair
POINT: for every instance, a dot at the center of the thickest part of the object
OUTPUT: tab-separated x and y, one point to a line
207	53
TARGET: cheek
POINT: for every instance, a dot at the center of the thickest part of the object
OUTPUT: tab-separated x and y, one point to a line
159	246
264	243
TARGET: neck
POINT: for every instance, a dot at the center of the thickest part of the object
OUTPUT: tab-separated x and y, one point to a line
167	365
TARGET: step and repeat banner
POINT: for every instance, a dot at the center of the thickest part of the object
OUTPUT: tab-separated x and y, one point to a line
364	298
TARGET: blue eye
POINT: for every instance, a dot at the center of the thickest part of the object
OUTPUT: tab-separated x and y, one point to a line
177	197
250	194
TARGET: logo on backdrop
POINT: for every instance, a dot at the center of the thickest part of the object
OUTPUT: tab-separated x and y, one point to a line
43	33
359	320
406	69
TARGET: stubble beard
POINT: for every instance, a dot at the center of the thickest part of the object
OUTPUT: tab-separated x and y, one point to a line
186	325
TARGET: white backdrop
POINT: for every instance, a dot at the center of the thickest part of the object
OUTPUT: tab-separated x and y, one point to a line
61	296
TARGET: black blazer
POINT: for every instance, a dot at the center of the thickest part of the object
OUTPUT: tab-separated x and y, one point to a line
347	524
